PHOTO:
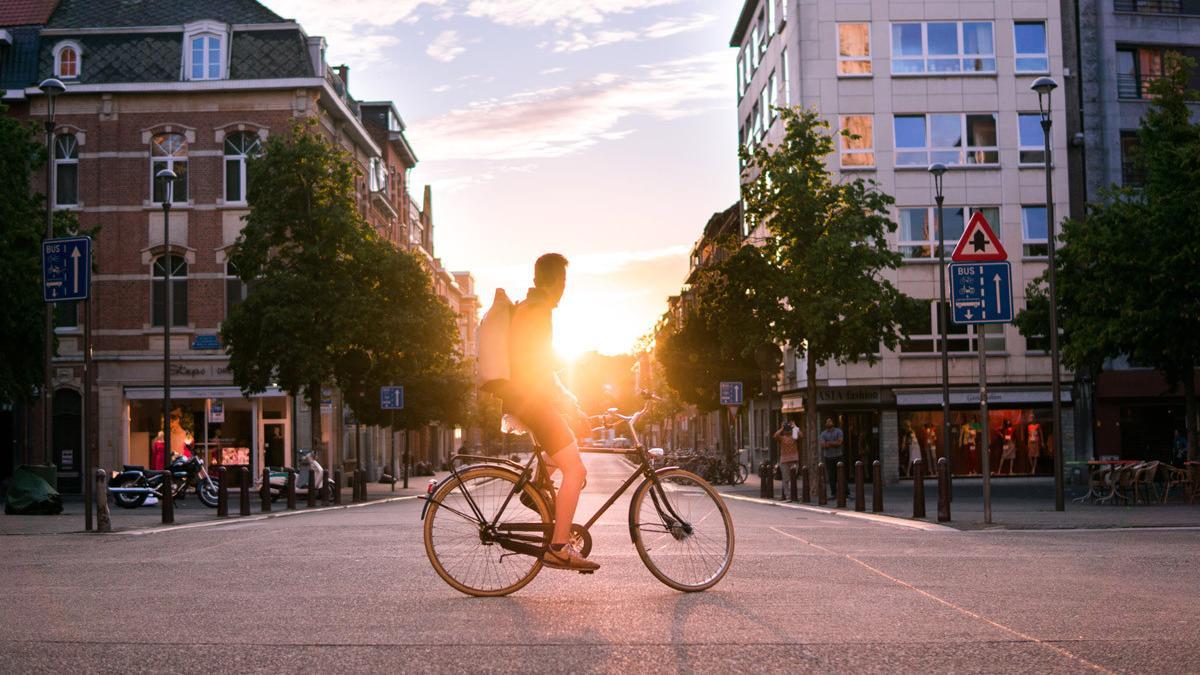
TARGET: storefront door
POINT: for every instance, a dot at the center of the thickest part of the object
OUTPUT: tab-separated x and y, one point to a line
861	431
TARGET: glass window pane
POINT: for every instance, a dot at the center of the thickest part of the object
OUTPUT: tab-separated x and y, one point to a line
952	225
945	65
943	38
66	189
1030	37
906	39
852	39
157	296
910	131
908	65
981	131
180	189
66	315
945	131
1033	223
862	137
179	302
977	38
1035	65
233	180
914	225
1030	129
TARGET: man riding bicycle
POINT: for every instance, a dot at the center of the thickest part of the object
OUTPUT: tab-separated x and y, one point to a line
539	401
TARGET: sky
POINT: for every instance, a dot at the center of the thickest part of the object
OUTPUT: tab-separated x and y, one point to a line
605	130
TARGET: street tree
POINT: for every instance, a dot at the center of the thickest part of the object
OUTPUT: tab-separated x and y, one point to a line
824	242
1127	279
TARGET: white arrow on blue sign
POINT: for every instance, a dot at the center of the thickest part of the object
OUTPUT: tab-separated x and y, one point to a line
391	398
731	393
66	269
981	292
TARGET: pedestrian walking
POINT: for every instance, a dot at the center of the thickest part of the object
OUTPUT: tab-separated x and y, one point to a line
831	441
788	436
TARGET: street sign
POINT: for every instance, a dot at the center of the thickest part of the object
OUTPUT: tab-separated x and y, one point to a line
391	398
979	243
66	269
731	393
981	292
206	341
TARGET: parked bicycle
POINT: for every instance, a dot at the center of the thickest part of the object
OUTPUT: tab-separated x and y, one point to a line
487	526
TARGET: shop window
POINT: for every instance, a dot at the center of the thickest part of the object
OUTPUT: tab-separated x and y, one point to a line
1020	440
918	228
943	47
239	147
67	60
66	170
858	148
1033	231
954	139
177	277
1031	138
1030	43
169	151
854	49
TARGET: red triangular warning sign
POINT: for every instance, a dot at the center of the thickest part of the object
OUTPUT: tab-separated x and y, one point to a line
979	242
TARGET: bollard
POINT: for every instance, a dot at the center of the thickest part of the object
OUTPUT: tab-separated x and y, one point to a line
918	473
822	494
943	478
764	470
805	492
337	487
841	484
860	494
103	519
354	479
362	485
312	488
323	491
291	490
877	485
168	497
244	491
264	493
794	476
222	493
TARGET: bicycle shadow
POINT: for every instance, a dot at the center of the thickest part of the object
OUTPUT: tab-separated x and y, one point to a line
700	608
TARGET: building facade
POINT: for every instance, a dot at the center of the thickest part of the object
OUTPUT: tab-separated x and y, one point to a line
918	83
196	87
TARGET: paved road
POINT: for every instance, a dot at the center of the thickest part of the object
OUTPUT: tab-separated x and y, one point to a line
351	591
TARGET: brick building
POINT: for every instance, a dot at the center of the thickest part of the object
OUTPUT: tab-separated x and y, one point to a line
196	87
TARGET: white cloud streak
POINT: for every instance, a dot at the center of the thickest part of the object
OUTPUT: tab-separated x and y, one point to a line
560	13
446	47
580	40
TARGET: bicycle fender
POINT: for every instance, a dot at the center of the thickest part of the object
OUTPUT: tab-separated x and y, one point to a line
632	534
427	498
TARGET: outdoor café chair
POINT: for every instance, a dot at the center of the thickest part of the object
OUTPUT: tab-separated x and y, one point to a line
1174	477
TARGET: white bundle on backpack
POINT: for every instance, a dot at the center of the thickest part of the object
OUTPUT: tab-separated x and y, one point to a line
492	344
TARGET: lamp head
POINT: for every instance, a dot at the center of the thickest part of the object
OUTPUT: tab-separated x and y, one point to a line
51	87
166	175
937	170
1043	86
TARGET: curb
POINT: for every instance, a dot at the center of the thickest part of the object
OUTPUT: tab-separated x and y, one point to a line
233	520
878	518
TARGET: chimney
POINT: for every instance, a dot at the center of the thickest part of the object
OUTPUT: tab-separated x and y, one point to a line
427	213
316	53
343	72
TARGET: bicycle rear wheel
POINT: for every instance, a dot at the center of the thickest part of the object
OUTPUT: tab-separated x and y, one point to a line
743	472
682	530
465	551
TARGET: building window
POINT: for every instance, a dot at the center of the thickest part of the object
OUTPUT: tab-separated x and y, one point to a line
1033	231
854	49
787	82
1131	173
1031	54
67	58
1037	343
950	138
1032	139
169	151
66	314
1137	69
66	170
741	81
858	148
918	228
204	57
239	147
924	336
1158	6
772	94
950	47
756	121
378	175
158	291
235	288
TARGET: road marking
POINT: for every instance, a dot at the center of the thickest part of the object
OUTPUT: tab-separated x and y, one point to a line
245	520
951	605
870	517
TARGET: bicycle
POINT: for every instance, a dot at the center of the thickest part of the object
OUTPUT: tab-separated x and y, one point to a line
499	519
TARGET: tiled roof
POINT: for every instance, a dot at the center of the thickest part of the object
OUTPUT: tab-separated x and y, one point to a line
25	12
122	13
18	62
158	57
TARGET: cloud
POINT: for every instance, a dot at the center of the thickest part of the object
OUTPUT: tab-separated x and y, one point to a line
446	47
551	71
561	120
356	31
560	13
580	40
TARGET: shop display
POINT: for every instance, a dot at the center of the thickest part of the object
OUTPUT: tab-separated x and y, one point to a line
1017	438
1008	448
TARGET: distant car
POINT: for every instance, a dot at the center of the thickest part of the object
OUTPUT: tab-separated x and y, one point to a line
621	442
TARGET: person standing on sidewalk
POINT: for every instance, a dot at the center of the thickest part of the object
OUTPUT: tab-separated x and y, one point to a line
831	441
789	454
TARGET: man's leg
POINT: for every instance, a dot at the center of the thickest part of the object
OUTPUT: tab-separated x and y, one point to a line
831	474
573	474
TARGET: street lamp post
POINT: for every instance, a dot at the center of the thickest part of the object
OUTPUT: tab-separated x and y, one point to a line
167	177
51	87
1044	86
938	171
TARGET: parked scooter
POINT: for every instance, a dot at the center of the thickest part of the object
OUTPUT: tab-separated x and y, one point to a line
131	487
307	461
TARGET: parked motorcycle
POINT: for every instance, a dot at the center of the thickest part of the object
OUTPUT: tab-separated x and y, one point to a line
307	461
131	487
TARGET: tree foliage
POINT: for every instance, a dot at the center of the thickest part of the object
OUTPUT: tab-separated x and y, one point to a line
1126	275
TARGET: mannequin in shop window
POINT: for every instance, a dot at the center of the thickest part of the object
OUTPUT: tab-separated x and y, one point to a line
157	452
908	441
1008	447
930	447
968	437
1033	443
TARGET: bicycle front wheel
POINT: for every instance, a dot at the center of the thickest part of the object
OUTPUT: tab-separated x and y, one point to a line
466	552
682	530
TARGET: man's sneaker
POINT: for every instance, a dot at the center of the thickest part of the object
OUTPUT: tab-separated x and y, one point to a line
568	558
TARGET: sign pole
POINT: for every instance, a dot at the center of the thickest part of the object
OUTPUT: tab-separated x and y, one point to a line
981	340
89	462
392	447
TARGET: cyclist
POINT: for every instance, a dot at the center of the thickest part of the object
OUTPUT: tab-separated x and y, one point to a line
540	402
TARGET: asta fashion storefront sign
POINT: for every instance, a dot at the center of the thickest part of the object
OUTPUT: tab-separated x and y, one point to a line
927	397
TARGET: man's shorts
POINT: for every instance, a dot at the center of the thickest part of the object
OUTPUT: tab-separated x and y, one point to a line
550	431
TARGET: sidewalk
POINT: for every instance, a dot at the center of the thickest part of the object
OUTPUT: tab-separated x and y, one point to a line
1019	503
188	511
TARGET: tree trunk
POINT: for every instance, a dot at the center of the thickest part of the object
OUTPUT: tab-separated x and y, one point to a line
811	413
1189	397
313	392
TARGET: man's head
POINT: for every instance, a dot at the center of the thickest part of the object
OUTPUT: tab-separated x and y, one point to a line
828	422
550	275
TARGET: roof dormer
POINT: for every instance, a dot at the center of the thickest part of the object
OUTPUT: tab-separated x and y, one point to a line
205	51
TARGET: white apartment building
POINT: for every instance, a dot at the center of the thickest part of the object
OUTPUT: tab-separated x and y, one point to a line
923	82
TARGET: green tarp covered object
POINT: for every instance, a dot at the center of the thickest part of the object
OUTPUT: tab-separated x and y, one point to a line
30	494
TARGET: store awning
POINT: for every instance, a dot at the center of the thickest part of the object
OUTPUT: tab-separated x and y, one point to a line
922	398
154	393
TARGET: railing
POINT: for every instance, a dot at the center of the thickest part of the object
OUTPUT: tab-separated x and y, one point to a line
1132	86
1158	6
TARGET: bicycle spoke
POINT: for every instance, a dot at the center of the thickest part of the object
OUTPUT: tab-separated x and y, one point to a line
695	553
